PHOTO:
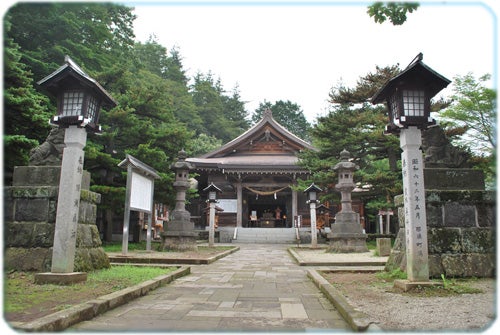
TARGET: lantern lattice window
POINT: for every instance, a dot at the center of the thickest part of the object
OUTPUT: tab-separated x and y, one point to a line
414	102
72	103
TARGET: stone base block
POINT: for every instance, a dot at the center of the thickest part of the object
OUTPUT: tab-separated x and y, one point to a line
347	243
406	285
383	246
179	241
60	278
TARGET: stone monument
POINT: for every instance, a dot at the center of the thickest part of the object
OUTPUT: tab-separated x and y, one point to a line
30	214
346	234
179	234
461	214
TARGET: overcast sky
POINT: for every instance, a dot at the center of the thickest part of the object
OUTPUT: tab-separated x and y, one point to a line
298	51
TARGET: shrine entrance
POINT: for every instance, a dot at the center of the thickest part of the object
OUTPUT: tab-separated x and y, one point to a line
257	173
267	212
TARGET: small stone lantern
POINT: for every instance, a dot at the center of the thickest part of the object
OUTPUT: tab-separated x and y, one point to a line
312	200
312	192
212	191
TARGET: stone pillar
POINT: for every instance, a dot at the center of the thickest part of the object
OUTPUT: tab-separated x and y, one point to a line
294	205
380	224
211	230
417	257
239	204
68	202
314	232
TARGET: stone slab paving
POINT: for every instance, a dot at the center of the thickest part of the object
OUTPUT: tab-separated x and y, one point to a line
259	288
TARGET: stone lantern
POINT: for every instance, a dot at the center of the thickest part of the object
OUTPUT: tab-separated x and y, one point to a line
212	191
408	99
179	233
346	234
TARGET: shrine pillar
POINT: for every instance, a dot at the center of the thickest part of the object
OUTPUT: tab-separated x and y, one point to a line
239	204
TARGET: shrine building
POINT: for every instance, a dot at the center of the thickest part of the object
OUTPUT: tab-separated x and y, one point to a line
255	172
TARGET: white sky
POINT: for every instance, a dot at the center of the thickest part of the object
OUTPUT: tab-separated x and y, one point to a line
298	52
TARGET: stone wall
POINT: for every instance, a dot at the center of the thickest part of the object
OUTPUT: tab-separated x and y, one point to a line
30	207
461	228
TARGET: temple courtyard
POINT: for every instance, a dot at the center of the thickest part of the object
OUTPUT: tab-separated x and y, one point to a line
277	287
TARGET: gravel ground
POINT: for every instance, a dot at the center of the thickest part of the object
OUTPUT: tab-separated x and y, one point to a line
396	311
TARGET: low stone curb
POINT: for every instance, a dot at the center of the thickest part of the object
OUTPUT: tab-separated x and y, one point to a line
297	257
358	321
66	318
300	261
166	260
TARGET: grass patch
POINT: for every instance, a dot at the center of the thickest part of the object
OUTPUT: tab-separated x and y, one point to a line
24	300
156	246
459	286
449	287
117	246
371	245
392	275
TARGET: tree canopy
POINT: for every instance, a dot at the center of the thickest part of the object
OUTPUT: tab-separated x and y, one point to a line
355	125
288	114
159	111
394	11
470	120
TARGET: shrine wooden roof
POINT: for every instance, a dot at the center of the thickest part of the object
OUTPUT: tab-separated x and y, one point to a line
267	147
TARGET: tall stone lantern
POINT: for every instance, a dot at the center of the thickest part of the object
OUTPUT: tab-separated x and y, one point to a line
346	234
179	232
79	100
408	98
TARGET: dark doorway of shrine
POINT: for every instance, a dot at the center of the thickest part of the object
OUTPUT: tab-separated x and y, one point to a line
266	211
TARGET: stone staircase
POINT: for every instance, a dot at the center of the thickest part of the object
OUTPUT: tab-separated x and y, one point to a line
266	235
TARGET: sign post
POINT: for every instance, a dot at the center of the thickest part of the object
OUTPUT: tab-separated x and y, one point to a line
139	196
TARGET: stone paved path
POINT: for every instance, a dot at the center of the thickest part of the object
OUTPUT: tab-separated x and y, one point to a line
258	288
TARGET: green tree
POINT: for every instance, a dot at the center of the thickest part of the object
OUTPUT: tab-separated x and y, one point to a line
235	112
288	114
473	111
471	118
202	144
95	35
220	113
152	57
354	124
26	112
394	11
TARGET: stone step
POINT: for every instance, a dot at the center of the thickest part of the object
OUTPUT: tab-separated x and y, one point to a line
265	235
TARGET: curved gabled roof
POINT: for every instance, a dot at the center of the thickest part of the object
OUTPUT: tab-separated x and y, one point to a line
71	70
260	127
